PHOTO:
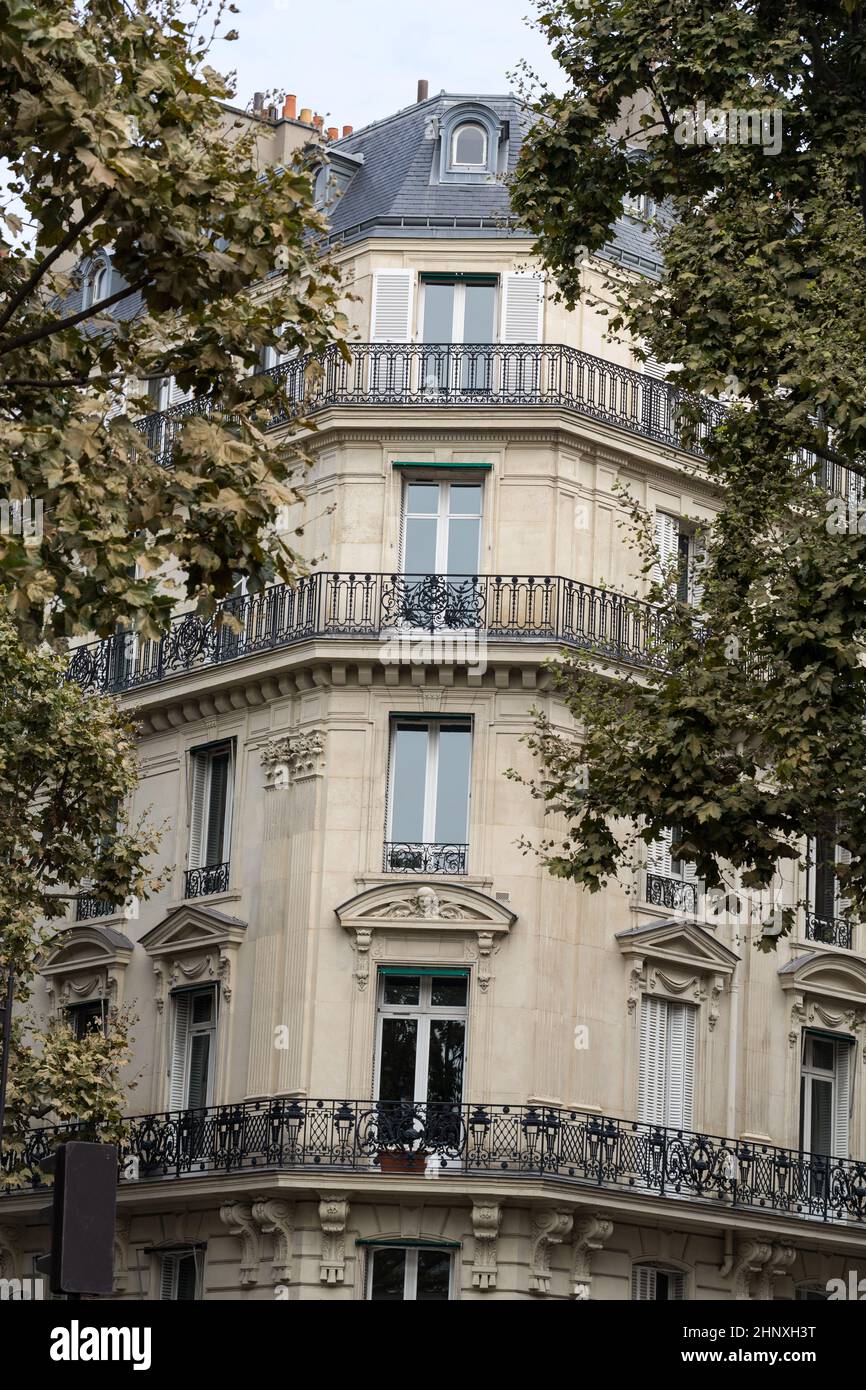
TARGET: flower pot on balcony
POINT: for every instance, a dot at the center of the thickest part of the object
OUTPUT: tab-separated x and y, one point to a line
403	1161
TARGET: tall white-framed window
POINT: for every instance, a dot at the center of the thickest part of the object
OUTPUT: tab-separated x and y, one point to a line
421	1018
428	795
825	1094
193	1048
442	527
671	883
211	778
455	312
666	1078
418	1274
680	550
826	908
657	1283
180	1274
468	146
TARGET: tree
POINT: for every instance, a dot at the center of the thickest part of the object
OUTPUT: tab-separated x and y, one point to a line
751	737
111	128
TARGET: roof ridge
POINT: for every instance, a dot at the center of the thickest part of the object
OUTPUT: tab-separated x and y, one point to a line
429	101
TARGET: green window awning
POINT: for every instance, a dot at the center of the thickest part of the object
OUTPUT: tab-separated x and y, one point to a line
445	467
420	970
405	1243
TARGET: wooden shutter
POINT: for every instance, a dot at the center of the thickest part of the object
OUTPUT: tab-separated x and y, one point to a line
843	904
842	1100
680	1066
179	1039
667	543
643	1283
522	308
167	1268
697	561
175	395
216	837
200	776
653	1050
658	855
391	312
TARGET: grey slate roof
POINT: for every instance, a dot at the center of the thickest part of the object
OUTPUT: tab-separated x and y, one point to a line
396	192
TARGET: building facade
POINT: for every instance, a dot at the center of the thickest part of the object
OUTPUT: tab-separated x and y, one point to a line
381	1053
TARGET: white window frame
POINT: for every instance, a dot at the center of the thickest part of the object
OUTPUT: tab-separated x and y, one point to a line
410	1271
841	1078
462	166
425	1013
444	517
667	1062
198	837
169	1270
458	308
180	1082
431	776
669	529
841	856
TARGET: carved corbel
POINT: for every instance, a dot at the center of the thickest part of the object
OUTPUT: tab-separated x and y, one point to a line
277	1218
363	946
121	1253
752	1256
485	959
549	1228
238	1217
293	758
486	1219
636	982
333	1215
590	1234
780	1261
716	991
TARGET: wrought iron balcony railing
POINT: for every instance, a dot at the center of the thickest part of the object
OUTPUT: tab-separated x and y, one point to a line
674	894
402	612
491	1141
87	908
408	857
467	375
832	931
210	878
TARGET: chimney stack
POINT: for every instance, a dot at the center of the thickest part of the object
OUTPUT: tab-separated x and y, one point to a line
306	116
423	88
333	133
290	107
347	130
258	102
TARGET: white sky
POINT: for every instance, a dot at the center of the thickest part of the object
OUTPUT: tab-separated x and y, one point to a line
355	61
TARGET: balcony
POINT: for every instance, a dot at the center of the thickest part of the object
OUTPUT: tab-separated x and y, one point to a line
87	908
832	931
461	376
202	882
569	1148
398	611
673	894
416	858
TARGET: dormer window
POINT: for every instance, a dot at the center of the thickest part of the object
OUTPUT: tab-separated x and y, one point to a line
469	146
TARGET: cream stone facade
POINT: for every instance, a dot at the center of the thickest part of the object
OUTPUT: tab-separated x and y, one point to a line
607	1089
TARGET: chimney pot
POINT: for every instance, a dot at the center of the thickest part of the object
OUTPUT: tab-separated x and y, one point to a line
306	116
318	121
423	88
347	130
333	133
290	107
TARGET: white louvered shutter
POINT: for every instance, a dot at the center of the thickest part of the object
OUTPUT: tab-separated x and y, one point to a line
842	1100
658	855
653	1051
175	396
167	1267
643	1283
680	1066
392	306
179	1039
667	543
843	856
522	306
200	774
697	560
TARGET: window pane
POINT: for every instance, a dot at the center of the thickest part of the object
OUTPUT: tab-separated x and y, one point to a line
469	143
448	990
465	499
434	1271
397	1072
464	536
445	1063
202	1007
410	776
438	312
422	497
199	1059
823	1054
389	1275
402	989
420	545
186	1277
219	780
479	313
452	791
821	1141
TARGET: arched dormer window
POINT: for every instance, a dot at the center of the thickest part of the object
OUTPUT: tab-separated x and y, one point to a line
473	146
469	146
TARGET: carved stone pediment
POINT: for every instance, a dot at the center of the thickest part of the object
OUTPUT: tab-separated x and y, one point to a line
682	945
411	906
86	963
839	979
191	945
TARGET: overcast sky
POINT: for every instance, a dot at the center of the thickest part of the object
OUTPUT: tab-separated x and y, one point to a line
355	61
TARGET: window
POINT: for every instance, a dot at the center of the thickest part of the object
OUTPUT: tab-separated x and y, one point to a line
398	1275
825	1095
193	1048
469	146
667	1063
87	1018
671	883
680	550
826	910
442	528
655	1283
457	311
428	823
179	1275
640	205
421	1042
211	771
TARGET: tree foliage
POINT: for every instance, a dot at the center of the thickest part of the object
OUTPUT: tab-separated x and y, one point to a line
752	737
